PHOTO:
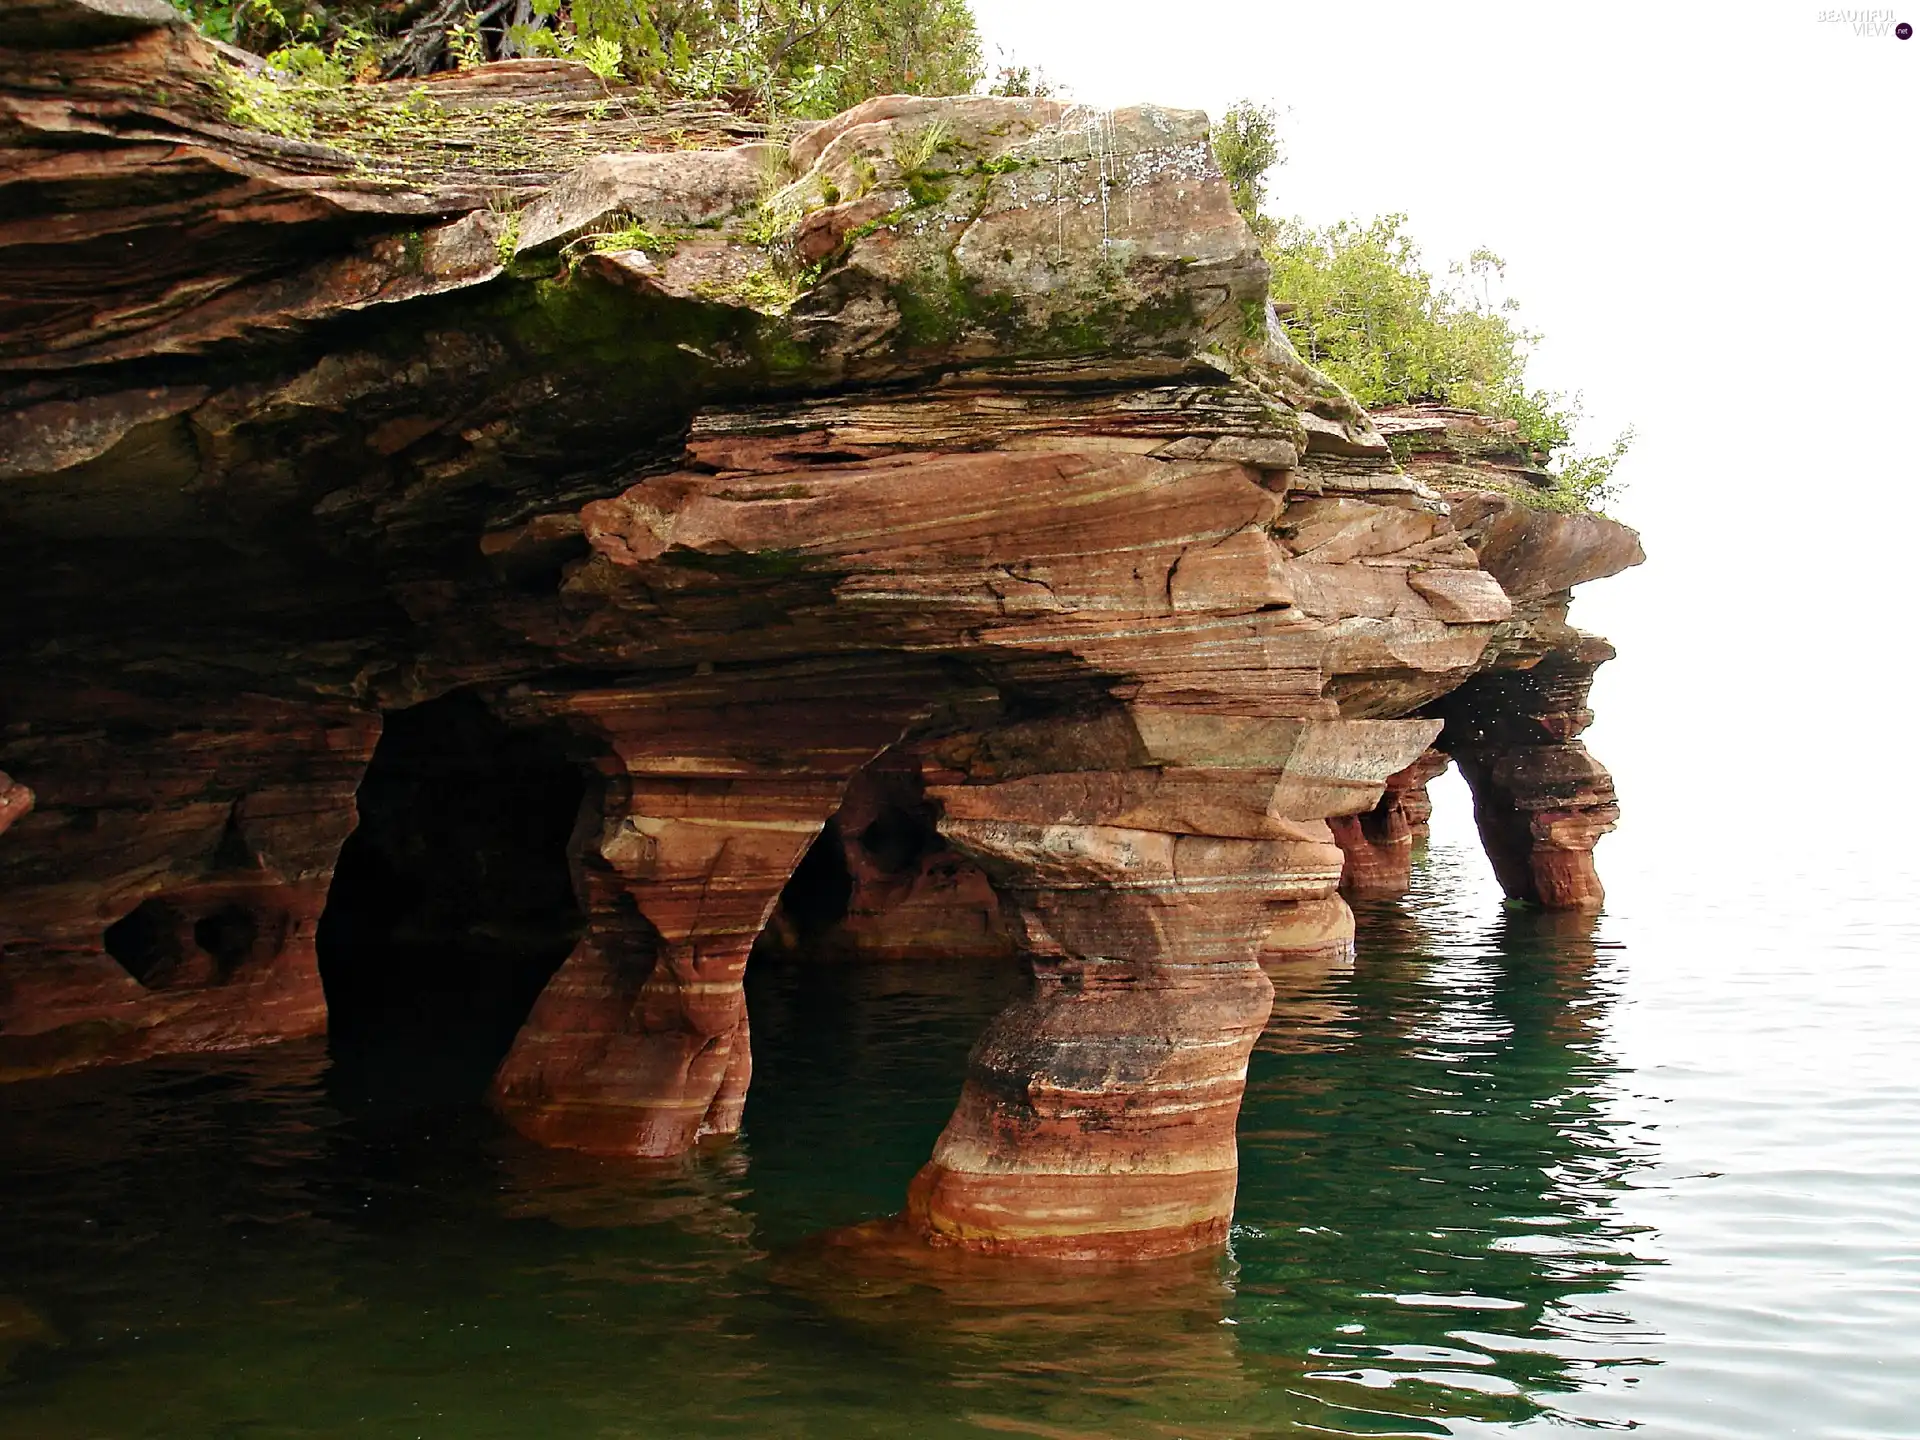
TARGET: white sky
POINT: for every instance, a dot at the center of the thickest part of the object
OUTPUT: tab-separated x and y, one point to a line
1710	210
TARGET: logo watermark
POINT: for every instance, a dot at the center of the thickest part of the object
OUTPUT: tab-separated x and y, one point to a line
1869	24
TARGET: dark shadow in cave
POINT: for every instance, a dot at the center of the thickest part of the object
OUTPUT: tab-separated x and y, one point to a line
451	906
817	893
145	943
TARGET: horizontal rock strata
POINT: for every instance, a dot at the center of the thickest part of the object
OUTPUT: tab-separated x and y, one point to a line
164	886
915	529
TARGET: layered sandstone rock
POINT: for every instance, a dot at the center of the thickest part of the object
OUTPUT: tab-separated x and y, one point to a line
710	792
1097	1116
164	889
1379	844
15	801
916	531
882	883
1541	800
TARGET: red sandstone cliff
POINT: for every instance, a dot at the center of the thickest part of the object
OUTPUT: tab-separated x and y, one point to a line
926	497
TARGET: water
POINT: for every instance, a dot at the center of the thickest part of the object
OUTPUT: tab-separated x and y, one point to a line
1504	1171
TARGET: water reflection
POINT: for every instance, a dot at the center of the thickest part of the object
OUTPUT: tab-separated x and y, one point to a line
1427	1238
1048	1349
1428	1169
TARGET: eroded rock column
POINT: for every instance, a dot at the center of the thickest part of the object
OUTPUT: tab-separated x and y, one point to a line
1097	1117
887	886
1540	800
1379	844
711	790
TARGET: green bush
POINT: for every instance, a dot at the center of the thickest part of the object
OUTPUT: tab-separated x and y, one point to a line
1012	79
1357	303
802	58
810	58
1246	142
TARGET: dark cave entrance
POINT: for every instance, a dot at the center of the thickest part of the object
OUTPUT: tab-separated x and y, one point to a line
878	882
817	894
452	903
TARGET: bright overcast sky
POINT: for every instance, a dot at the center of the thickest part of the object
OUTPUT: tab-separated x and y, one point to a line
1710	210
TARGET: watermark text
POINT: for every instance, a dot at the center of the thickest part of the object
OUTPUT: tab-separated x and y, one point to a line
1867	23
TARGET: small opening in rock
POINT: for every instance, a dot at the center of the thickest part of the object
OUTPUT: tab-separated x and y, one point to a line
233	852
820	887
146	941
452	904
898	839
228	935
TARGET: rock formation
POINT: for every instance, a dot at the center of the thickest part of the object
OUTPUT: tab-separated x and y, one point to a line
1540	799
1378	845
15	801
914	532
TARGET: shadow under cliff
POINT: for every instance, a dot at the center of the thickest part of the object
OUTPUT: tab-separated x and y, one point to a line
451	906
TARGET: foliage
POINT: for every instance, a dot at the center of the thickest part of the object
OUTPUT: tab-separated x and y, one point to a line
799	58
1357	303
1585	482
805	58
216	17
463	39
507	242
267	26
907	47
914	149
1246	142
1010	78
814	58
257	102
914	152
630	234
601	55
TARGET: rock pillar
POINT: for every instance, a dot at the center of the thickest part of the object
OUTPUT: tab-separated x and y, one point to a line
1379	844
1540	800
908	894
711	791
15	801
1097	1117
1316	929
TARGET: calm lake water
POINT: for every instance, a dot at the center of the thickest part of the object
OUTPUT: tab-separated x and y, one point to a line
1659	1172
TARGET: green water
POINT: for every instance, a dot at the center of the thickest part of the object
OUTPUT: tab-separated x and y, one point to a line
1501	1171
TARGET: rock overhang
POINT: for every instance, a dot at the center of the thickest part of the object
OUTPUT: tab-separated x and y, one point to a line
953	434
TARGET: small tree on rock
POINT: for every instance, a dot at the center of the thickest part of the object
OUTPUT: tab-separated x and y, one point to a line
1246	141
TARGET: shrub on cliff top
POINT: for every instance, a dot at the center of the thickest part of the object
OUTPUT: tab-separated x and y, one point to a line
1358	304
1246	142
791	57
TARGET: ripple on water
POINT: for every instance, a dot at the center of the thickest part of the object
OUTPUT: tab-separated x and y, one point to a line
1503	1169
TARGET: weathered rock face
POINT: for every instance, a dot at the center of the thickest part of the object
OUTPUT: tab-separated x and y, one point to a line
882	883
163	889
1378	846
915	535
1541	800
15	801
712	789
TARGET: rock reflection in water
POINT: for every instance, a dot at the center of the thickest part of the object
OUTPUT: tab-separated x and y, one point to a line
1312	1006
579	1191
1425	1237
1039	1348
1427	1170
